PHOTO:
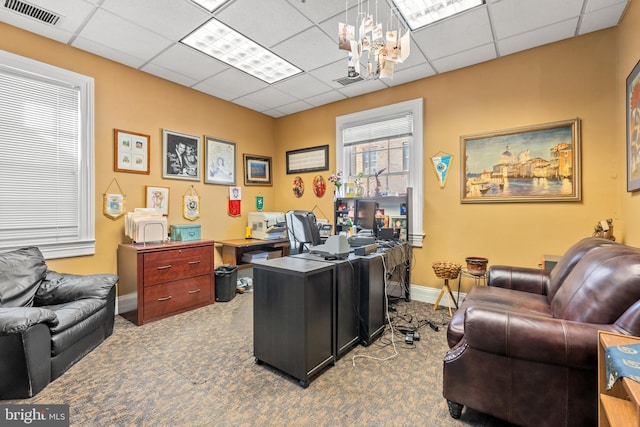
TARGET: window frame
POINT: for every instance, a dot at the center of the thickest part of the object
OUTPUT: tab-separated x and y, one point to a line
416	163
29	68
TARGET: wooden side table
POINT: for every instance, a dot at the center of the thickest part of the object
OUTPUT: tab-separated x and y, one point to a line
619	406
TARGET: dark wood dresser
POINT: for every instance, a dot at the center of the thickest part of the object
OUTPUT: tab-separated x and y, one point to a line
165	278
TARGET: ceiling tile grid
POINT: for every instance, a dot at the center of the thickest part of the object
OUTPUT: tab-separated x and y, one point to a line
146	34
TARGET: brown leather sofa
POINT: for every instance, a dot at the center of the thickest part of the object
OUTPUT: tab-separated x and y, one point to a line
524	348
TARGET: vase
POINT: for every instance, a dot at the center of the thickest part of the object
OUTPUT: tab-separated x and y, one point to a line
338	192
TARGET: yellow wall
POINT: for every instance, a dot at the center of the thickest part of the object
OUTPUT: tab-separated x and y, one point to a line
581	77
629	55
135	101
572	78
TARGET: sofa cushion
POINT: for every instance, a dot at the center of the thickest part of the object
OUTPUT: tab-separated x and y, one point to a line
57	288
74	312
569	260
601	287
16	320
21	271
85	328
500	299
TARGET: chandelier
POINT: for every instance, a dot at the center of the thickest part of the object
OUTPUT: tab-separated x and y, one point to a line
383	44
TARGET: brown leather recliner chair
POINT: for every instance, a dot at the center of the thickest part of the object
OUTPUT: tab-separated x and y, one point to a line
524	348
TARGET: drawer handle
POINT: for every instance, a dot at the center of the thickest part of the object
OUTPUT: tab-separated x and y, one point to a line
194	262
165	298
195	291
164	267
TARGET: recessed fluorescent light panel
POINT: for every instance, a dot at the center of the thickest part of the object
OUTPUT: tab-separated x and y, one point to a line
419	13
210	5
229	46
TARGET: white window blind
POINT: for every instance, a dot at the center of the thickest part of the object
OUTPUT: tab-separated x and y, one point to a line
46	196
385	129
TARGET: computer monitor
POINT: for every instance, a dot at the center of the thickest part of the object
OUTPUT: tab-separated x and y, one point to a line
366	215
302	228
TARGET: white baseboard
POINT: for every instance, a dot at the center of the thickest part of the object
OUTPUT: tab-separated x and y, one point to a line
430	295
126	303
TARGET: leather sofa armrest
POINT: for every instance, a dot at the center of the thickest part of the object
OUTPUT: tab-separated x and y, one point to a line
524	279
16	320
58	288
535	338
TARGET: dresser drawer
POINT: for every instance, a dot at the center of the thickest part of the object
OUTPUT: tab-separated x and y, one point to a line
168	298
166	266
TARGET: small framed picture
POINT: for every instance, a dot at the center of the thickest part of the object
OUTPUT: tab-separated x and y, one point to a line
181	155
257	170
158	199
131	151
221	162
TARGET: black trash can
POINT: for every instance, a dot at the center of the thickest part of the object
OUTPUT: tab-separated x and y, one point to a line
226	278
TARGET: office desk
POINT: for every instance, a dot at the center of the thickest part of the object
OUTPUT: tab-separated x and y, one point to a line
232	250
293	315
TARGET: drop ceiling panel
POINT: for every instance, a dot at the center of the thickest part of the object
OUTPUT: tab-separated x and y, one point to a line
270	97
309	50
468	30
464	59
593	5
515	17
269	22
110	30
73	13
528	40
107	52
302	86
601	18
318	11
363	87
170	75
294	107
325	98
407	75
173	19
188	62
230	84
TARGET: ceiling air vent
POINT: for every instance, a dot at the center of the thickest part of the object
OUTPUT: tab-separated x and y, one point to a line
349	80
32	11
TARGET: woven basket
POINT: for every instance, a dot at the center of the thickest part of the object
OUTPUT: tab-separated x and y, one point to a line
446	269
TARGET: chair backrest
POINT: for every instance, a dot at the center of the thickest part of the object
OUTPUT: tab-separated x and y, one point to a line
569	260
601	287
21	272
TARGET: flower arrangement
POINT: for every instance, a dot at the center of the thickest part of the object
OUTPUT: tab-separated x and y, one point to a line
336	178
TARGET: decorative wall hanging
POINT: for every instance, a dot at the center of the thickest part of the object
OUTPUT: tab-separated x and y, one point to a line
257	170
308	159
113	203
131	152
441	164
298	186
382	48
191	204
235	197
158	199
319	186
538	163
633	129
221	162
259	202
181	155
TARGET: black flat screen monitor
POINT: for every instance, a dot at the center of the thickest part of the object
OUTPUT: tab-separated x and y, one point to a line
366	215
302	228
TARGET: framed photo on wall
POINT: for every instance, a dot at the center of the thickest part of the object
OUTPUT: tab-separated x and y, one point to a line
633	129
181	155
257	170
308	160
221	162
539	163
158	199
131	151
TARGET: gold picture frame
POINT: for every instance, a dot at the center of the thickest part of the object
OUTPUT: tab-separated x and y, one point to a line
539	163
157	198
257	170
131	152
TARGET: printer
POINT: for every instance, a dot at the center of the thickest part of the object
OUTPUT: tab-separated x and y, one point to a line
267	225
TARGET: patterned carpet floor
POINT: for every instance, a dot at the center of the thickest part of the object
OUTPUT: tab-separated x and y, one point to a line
198	369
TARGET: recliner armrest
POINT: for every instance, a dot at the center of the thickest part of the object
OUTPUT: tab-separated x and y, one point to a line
58	288
15	320
524	279
535	338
